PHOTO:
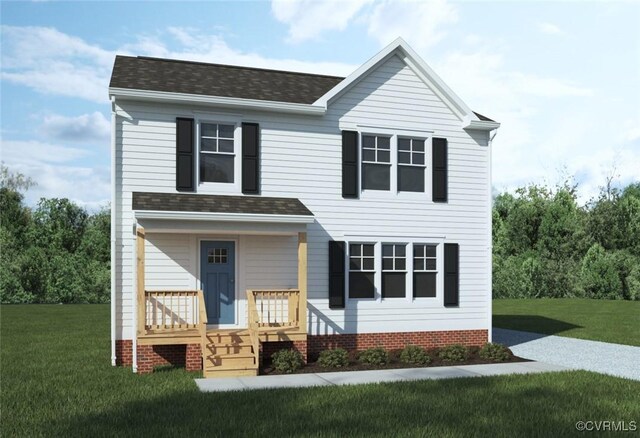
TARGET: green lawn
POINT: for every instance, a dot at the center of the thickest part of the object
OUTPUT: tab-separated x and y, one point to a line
57	381
600	320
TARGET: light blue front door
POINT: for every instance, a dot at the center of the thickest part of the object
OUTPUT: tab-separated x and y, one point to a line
217	272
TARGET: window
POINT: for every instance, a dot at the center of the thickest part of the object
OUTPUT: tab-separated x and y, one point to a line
376	162
411	165
394	270
424	270
217	256
361	270
217	153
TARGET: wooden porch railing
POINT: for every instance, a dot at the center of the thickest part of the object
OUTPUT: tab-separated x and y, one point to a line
174	310
277	308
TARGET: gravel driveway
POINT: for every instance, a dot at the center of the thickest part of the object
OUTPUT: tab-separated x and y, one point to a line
602	357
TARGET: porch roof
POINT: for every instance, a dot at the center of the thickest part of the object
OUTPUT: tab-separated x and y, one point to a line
219	204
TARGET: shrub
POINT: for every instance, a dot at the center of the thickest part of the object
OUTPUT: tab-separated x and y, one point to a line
336	358
374	356
454	353
415	354
495	352
287	361
599	276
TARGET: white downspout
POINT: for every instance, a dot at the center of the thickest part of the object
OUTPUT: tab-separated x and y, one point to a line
134	297
490	258
113	231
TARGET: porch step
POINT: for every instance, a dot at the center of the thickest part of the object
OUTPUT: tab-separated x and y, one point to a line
229	353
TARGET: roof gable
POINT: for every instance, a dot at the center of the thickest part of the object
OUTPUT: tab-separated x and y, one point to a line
406	54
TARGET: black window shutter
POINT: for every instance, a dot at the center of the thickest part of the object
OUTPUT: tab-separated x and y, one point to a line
336	274
250	158
185	175
439	170
349	164
451	274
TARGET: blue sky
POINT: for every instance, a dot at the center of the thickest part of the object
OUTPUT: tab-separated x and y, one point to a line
563	78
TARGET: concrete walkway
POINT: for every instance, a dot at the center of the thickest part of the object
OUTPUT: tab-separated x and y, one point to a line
376	376
602	357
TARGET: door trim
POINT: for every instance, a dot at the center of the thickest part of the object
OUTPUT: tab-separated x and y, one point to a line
235	283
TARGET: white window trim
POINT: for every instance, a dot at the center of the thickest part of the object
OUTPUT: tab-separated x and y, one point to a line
406	271
376	270
436	302
438	271
214	187
393	191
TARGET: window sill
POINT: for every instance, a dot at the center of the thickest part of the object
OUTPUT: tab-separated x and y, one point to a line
217	188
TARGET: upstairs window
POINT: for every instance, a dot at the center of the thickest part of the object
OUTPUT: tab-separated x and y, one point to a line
361	270
424	270
217	153
411	165
376	162
394	270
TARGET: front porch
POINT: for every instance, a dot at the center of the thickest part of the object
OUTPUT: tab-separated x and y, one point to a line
172	317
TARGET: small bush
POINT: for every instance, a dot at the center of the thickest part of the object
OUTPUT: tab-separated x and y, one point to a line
454	353
415	354
495	352
374	356
336	358
287	361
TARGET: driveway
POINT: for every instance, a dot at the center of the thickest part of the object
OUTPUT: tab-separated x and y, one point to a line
601	357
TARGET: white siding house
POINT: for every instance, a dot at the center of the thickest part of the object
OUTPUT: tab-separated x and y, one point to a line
389	215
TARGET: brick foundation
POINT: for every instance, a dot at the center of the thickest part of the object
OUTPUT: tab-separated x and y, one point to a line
395	340
150	356
189	357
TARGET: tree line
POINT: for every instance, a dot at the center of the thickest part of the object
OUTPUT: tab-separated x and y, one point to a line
54	253
544	245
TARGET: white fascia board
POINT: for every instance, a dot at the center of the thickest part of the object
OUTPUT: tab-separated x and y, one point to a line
481	125
218	101
417	64
224	217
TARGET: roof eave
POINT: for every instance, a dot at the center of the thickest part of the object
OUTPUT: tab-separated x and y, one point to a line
224	217
217	101
481	125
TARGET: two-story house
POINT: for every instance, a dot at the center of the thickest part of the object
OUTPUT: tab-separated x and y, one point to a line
257	209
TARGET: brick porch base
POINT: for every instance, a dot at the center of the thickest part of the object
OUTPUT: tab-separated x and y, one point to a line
150	356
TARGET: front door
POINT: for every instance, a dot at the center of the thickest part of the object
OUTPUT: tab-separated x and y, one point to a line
217	273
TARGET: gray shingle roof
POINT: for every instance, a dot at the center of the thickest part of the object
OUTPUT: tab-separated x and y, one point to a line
189	77
218	204
169	75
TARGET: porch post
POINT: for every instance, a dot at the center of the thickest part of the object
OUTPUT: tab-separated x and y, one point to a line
302	279
140	277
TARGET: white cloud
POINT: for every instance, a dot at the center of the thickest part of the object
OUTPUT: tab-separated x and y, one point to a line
547	122
196	46
550	29
51	62
58	172
422	24
86	127
308	19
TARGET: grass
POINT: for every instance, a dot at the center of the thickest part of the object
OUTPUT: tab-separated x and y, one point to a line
57	381
599	320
